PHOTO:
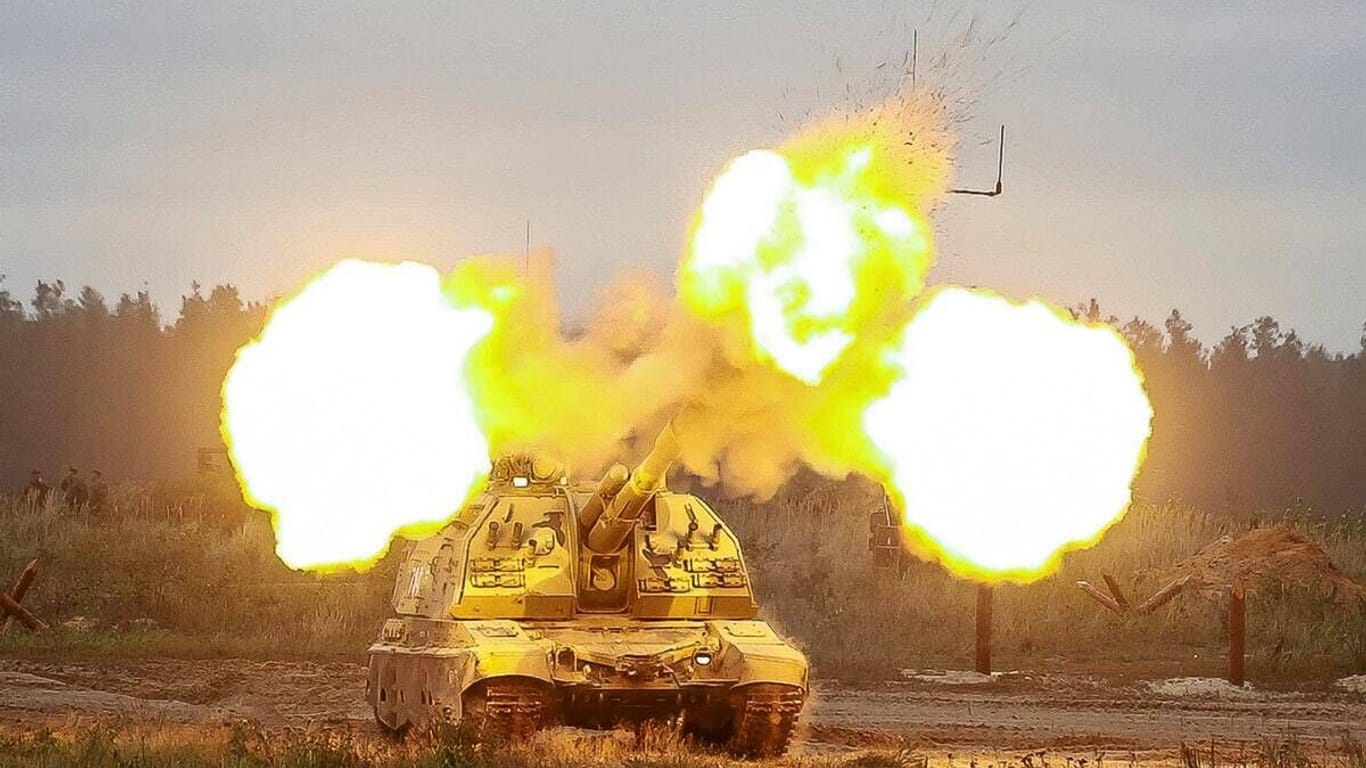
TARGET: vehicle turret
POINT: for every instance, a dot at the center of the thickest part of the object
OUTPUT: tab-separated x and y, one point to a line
609	531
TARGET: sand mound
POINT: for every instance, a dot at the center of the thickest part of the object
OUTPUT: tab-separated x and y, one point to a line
1278	554
1209	687
1355	683
947	676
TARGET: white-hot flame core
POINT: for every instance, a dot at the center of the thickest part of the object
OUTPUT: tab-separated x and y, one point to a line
790	253
350	418
1014	434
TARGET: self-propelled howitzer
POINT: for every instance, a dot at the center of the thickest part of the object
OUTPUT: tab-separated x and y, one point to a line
547	601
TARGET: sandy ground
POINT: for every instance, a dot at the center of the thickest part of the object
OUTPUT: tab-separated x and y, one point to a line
940	713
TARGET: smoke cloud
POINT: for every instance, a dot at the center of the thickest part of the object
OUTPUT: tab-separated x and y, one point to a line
865	180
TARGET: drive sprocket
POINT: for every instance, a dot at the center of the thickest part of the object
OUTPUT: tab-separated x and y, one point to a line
765	719
508	708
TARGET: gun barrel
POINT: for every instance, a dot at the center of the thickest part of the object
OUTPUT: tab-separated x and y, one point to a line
616	519
602	497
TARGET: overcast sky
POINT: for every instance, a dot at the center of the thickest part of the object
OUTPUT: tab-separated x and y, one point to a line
1204	155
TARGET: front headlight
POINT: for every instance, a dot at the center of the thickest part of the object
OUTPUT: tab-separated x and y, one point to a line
702	658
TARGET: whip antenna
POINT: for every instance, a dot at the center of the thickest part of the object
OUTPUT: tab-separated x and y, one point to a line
1000	167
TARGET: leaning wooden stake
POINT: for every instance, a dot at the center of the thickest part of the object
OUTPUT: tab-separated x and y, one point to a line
21	613
1120	599
984	629
1110	603
1237	630
21	588
1164	595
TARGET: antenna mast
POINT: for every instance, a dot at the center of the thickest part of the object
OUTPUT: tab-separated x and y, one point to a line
915	54
1000	166
526	252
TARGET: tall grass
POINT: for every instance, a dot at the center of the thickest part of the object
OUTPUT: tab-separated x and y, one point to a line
195	575
187	571
813	575
245	747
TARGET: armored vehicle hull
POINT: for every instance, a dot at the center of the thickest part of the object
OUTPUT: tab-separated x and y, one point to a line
731	682
549	602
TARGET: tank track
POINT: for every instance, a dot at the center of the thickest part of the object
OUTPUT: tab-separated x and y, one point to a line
765	719
509	709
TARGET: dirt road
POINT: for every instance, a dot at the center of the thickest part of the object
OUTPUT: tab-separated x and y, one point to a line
939	713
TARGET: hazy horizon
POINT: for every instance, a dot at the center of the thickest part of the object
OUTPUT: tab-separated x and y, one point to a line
1159	155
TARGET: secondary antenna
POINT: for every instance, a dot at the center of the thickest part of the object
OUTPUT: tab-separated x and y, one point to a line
1001	149
1000	166
526	253
915	53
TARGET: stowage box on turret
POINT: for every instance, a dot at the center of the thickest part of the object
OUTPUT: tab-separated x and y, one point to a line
546	601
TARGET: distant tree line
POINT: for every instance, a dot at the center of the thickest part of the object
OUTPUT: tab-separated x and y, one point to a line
113	386
1257	422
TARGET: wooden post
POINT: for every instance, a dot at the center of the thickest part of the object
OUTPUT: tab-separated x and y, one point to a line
1237	630
984	629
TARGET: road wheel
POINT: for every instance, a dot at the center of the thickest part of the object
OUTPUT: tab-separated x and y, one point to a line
508	709
711	724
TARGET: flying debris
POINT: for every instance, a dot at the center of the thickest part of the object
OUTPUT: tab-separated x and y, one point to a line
1005	433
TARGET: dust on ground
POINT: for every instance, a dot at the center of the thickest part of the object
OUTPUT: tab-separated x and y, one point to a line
184	691
938	713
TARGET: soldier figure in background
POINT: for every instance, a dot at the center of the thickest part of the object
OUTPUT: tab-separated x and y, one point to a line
99	492
36	492
74	491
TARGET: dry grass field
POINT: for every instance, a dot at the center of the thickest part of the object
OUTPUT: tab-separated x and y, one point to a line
186	571
809	551
658	747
